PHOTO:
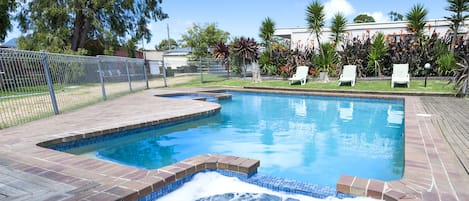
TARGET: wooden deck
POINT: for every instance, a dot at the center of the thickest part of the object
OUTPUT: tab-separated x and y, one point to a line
451	116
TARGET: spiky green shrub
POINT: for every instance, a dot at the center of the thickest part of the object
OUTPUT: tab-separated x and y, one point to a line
446	63
326	61
377	51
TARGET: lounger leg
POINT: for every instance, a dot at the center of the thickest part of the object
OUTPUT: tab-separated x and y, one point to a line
353	83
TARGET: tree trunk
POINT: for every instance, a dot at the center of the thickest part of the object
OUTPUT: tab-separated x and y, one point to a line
244	68
83	34
455	36
78	25
319	44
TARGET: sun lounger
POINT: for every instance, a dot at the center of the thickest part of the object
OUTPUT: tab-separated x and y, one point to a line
400	74
300	75
348	75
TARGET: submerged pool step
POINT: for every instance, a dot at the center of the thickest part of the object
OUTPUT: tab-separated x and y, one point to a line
174	176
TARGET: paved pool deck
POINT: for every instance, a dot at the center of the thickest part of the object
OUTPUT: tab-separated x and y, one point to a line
31	172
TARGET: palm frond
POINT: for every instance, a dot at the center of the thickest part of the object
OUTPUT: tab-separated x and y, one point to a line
338	27
417	19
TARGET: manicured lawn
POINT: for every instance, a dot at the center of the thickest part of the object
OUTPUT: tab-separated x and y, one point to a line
438	86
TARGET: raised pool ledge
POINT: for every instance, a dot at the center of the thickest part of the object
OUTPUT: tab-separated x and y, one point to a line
169	178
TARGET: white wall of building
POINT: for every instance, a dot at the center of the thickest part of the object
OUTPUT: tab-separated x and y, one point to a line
174	61
153	55
303	38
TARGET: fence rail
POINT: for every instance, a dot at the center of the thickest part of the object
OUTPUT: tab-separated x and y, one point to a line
39	84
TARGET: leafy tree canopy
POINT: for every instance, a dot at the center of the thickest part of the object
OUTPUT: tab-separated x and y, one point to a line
363	18
71	24
164	44
203	37
6	7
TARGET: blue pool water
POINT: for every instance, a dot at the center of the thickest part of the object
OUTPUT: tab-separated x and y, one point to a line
308	138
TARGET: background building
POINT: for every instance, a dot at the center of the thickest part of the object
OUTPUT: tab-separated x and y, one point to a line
303	38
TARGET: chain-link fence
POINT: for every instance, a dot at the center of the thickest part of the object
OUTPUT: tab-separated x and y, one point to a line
201	70
38	84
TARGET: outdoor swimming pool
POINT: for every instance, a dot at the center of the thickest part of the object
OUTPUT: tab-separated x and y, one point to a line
312	139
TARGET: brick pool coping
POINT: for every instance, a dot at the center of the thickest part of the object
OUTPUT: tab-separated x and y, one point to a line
431	172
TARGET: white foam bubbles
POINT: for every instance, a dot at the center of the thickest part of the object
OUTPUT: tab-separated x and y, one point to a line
211	183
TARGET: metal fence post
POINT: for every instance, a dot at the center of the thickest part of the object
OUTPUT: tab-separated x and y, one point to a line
128	74
201	71
101	78
49	82
164	73
145	76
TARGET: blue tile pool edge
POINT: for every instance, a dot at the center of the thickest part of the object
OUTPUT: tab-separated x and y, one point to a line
318	95
270	182
62	144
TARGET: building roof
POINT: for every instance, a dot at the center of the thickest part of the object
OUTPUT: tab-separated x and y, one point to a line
10	43
178	51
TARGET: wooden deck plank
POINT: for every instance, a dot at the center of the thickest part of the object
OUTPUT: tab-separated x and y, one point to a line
451	116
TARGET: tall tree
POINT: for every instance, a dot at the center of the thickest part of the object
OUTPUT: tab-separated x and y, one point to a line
395	16
363	18
338	27
266	33
6	8
417	19
163	45
202	37
77	22
458	9
315	19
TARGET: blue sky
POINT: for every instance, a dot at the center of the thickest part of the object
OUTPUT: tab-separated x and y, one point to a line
244	17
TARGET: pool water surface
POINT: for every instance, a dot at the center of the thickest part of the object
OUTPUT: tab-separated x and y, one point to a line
313	139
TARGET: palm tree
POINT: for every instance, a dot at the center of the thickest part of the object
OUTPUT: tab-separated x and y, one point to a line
395	16
458	7
267	32
221	52
417	19
338	27
246	49
315	19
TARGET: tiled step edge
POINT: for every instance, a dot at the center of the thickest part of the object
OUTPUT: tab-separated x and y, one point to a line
169	178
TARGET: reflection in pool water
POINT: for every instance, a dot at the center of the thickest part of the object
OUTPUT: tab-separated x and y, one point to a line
307	138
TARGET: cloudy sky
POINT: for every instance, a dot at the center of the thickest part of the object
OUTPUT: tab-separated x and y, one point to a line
243	17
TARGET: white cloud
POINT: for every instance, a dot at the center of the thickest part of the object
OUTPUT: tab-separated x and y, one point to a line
378	16
334	6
